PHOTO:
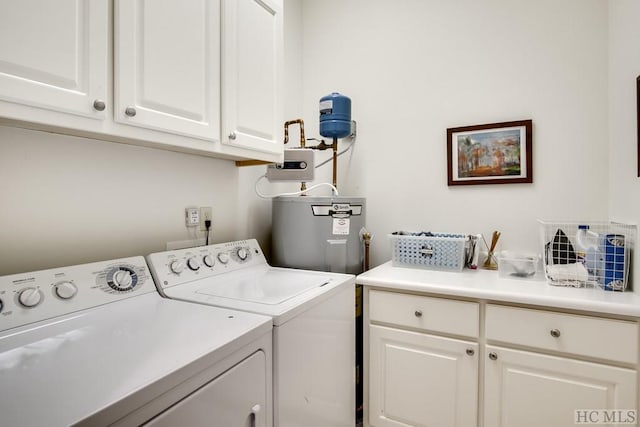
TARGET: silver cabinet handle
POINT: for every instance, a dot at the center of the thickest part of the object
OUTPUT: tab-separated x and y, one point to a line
555	333
99	105
470	352
232	136
493	356
418	313
130	111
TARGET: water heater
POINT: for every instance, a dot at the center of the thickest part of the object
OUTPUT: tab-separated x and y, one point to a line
318	233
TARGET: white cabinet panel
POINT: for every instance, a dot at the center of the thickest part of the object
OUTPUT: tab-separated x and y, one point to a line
167	67
421	380
425	313
236	398
54	54
567	333
524	389
252	74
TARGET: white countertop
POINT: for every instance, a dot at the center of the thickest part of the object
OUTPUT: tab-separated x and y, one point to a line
486	285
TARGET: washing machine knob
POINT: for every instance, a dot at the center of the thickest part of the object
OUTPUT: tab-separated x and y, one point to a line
242	253
65	290
223	257
30	297
208	260
177	266
193	263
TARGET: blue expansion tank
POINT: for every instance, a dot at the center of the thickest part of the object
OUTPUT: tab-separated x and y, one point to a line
335	116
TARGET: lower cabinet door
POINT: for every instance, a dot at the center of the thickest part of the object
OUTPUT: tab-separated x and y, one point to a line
236	398
525	389
421	380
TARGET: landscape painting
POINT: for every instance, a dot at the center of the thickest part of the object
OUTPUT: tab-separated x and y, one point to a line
497	153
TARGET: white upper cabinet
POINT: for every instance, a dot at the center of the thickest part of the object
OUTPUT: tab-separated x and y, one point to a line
252	62
186	74
167	66
54	55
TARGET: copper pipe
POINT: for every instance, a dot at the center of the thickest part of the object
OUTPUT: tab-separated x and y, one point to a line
335	162
286	131
303	186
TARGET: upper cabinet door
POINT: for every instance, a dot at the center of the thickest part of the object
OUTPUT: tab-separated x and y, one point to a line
167	65
53	54
252	74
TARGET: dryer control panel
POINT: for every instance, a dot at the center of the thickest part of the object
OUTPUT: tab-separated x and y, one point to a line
179	266
31	297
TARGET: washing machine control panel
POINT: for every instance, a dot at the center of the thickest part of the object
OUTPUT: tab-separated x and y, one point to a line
179	266
31	297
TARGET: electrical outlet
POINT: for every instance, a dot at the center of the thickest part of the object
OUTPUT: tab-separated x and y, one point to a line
206	214
191	217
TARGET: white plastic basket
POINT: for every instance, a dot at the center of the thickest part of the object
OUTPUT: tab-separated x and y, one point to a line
597	256
439	251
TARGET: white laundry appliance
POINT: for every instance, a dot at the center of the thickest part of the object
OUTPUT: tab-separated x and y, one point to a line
96	345
313	323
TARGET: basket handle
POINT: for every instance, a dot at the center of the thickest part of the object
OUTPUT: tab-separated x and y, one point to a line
426	251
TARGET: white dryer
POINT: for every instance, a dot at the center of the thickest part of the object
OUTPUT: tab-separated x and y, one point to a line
96	345
313	320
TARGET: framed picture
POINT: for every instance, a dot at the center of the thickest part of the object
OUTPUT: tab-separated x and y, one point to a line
495	153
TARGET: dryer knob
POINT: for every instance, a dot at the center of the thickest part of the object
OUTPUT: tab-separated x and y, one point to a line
122	279
177	266
223	257
242	253
193	263
65	290
30	297
208	260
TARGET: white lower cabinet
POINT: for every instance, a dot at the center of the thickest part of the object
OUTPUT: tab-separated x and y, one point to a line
421	380
539	367
527	389
417	375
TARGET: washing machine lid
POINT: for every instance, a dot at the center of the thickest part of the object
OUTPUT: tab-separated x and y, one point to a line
95	366
281	293
264	285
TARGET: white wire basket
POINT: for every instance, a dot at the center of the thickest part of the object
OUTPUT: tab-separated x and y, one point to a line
587	254
435	251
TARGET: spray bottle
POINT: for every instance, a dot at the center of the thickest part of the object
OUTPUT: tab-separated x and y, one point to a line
587	250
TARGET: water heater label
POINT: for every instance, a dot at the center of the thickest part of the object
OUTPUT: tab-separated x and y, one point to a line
341	226
326	107
340	210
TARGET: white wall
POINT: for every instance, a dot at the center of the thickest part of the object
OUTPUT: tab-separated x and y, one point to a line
624	68
68	200
413	68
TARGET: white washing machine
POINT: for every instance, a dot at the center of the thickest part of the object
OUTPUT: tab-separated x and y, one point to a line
313	323
96	345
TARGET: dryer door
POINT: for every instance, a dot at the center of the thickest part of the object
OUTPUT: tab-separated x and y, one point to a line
236	398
